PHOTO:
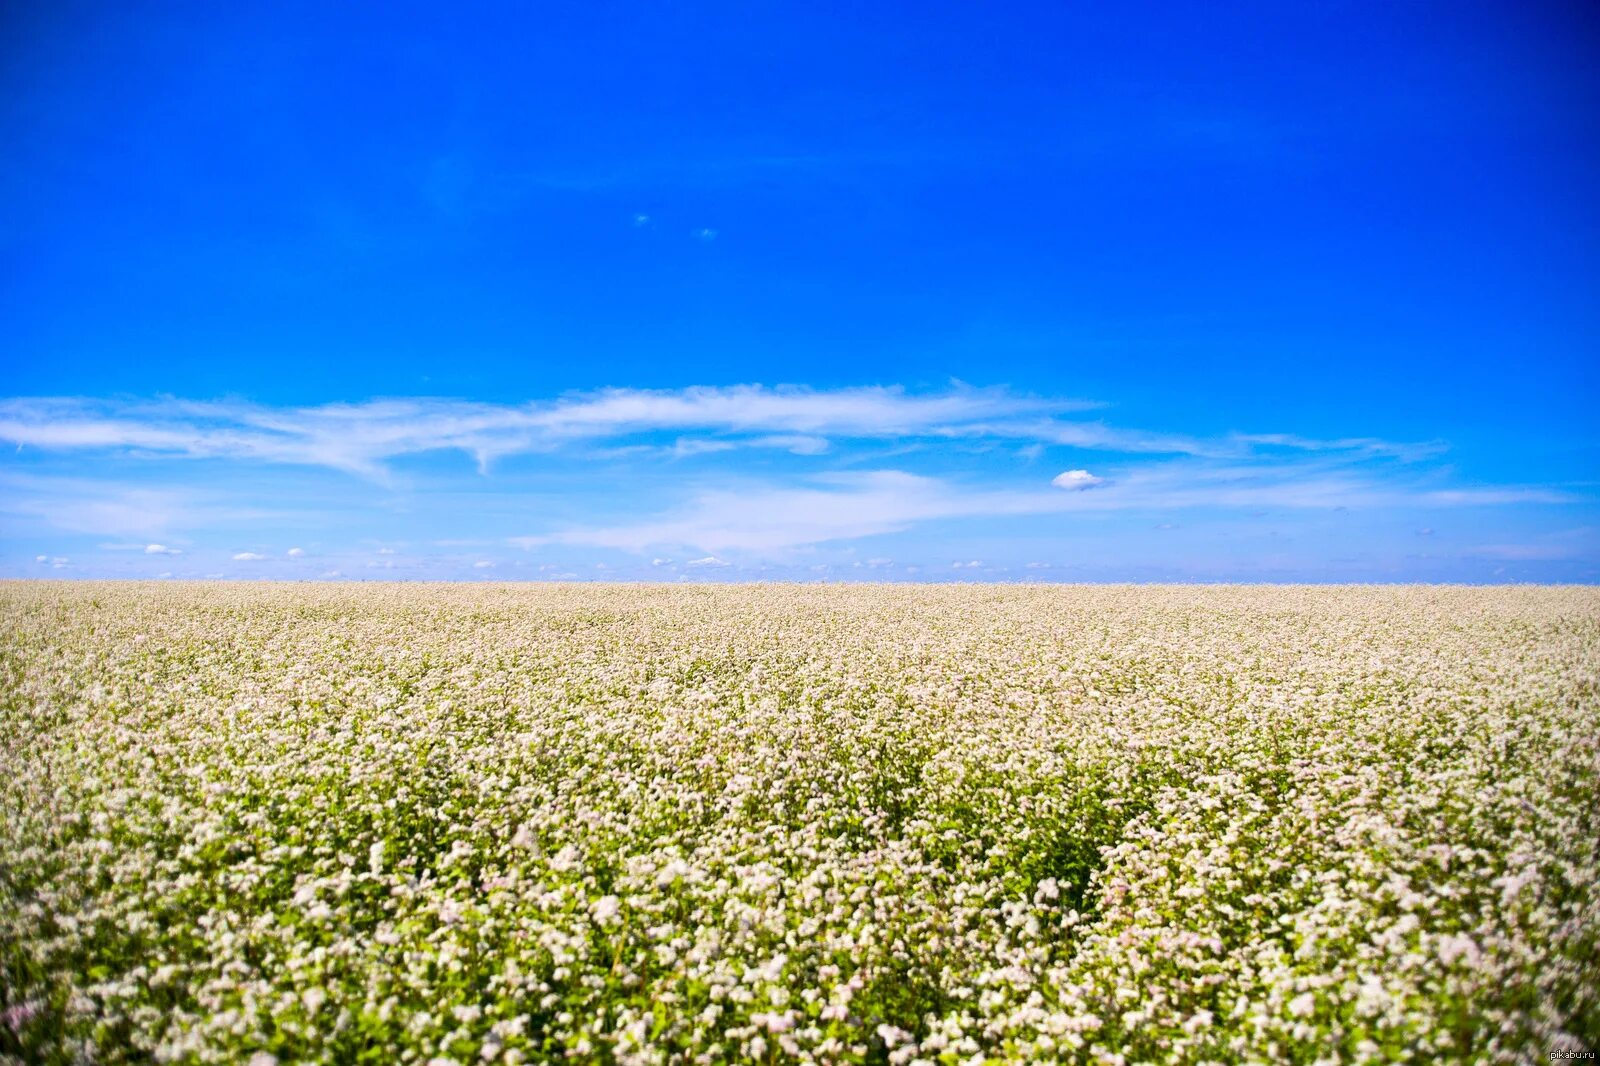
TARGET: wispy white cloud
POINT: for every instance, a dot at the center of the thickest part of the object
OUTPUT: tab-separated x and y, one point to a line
1563	544
362	437
685	447
1523	552
161	549
794	443
847	506
1409	452
1495	496
248	557
99	506
830	507
1097	436
295	553
776	518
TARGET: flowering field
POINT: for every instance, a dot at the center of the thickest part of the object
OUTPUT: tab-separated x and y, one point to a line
641	824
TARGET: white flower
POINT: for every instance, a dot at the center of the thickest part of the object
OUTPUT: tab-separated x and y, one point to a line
738	810
605	909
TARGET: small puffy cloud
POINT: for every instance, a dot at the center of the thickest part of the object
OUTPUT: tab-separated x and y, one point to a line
295	553
385	551
1076	479
705	235
641	220
248	557
972	564
660	561
41	558
160	549
483	564
879	564
709	560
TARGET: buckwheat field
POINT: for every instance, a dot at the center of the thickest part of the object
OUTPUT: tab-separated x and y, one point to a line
638	824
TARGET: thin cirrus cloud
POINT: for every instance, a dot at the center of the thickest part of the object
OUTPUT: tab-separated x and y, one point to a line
361	438
1412	451
103	505
793	443
835	507
842	506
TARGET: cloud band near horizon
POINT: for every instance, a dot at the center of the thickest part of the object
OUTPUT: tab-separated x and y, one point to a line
750	472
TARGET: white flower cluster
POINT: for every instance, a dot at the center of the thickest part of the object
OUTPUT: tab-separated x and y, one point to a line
913	825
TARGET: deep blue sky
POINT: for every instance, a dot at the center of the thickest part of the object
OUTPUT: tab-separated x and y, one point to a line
1330	221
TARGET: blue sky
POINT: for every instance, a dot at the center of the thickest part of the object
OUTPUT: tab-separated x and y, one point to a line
720	292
